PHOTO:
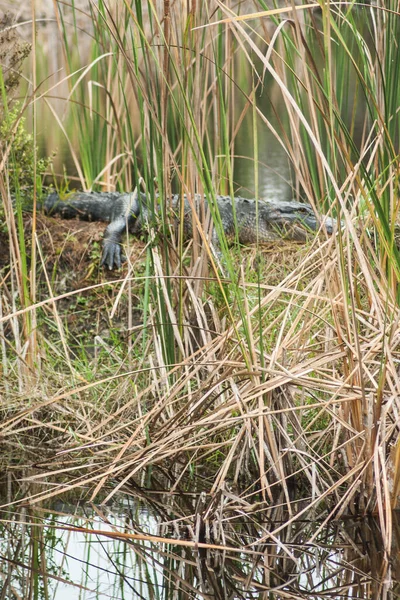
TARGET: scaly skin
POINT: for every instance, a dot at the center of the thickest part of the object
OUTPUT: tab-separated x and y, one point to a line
262	221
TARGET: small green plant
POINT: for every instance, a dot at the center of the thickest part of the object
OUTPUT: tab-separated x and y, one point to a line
23	153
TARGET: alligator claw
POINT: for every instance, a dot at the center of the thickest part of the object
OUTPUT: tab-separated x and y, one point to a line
112	256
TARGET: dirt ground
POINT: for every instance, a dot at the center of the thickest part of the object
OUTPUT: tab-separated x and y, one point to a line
63	243
69	261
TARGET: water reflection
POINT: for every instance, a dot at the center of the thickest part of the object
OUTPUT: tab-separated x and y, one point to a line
274	174
133	551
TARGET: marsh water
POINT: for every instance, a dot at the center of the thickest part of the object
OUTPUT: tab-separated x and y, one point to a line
154	545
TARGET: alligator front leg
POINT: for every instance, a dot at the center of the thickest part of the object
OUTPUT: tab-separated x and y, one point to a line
112	255
125	215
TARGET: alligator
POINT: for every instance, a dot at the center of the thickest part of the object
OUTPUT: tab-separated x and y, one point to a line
247	220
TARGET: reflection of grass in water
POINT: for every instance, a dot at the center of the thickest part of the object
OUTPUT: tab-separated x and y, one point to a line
133	548
227	374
